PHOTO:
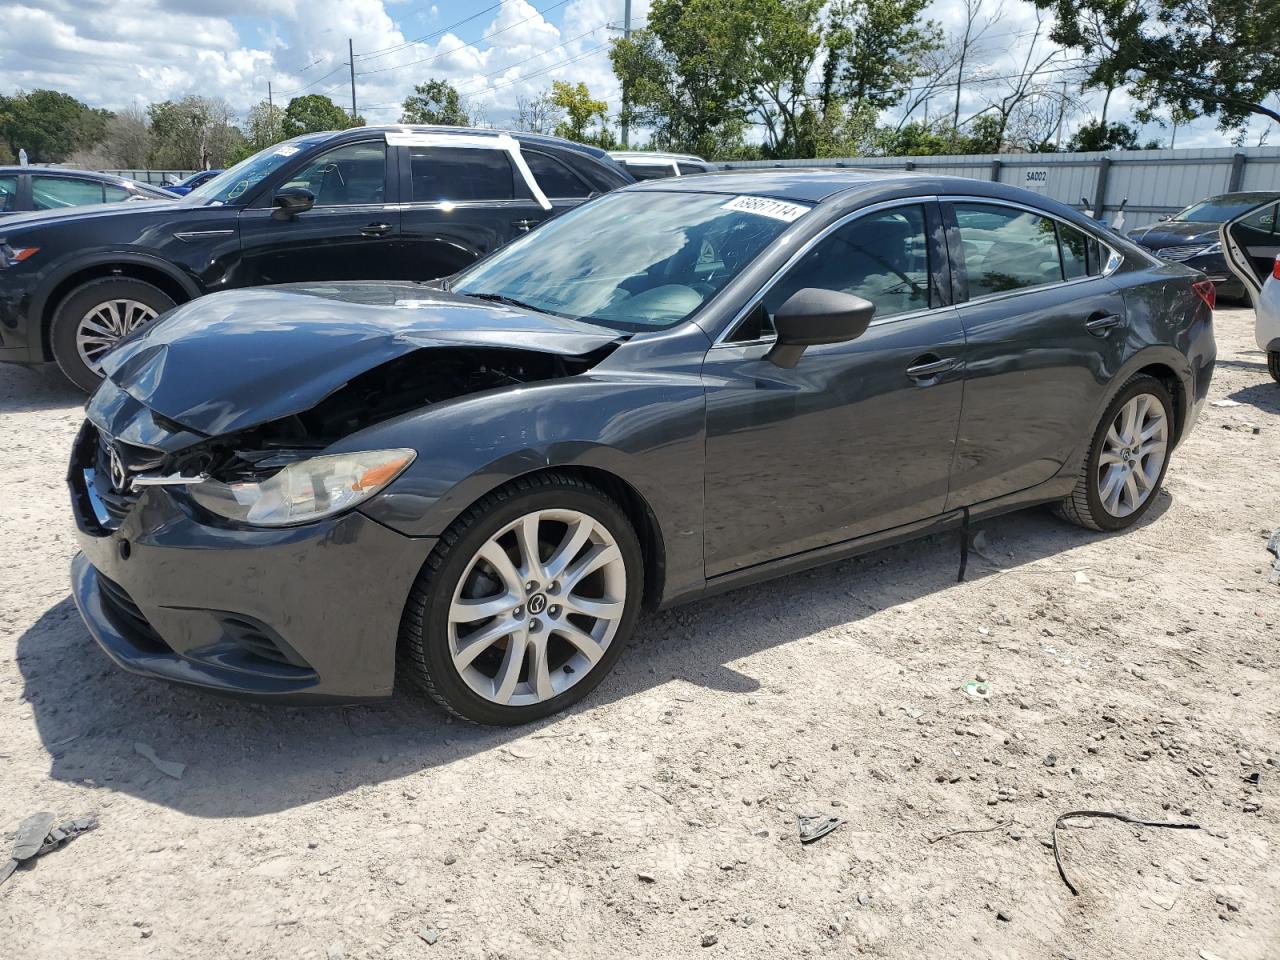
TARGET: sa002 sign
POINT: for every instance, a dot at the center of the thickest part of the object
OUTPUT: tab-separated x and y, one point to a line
1035	178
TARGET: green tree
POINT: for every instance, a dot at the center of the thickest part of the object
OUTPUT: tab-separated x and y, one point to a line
1219	58
1101	135
264	126
193	133
435	102
49	125
580	113
314	113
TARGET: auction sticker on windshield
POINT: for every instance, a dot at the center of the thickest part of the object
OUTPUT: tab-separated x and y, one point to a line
765	207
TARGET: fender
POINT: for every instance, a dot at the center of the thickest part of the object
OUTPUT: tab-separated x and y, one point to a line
647	431
79	263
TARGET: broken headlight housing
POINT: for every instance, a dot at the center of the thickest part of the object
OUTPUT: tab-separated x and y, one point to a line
305	490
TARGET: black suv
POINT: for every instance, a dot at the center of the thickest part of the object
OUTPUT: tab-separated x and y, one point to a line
372	203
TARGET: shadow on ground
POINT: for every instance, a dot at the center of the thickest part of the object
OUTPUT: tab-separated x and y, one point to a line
250	759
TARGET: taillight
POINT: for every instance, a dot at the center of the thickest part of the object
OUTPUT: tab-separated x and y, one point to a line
1206	291
1275	270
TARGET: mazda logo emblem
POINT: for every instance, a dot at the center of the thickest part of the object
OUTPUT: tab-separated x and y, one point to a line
537	603
119	476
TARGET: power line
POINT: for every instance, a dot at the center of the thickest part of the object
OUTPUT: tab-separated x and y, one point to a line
541	53
445	53
383	51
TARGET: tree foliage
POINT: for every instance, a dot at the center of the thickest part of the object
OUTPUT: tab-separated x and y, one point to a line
1219	58
580	112
1103	135
49	125
315	113
435	102
194	133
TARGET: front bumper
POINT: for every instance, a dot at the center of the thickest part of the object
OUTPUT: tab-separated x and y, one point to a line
299	614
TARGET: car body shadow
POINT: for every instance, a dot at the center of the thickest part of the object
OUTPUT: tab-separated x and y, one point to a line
1264	396
247	758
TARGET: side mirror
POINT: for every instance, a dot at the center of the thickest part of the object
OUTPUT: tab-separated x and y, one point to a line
811	316
291	201
1163	217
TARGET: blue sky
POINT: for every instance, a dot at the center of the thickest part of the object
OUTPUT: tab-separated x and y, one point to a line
114	53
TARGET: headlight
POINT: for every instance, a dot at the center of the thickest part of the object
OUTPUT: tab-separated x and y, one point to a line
306	490
12	256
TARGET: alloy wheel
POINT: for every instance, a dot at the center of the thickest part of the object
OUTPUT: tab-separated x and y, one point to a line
103	326
1133	454
537	607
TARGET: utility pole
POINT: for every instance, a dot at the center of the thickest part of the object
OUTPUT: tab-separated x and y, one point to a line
626	35
1062	112
351	60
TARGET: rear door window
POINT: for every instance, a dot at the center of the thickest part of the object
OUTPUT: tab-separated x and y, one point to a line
114	193
688	169
555	179
1006	248
350	175
460	174
649	171
58	193
8	194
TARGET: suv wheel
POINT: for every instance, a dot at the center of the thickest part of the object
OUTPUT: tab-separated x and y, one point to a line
525	603
1273	364
93	318
1127	459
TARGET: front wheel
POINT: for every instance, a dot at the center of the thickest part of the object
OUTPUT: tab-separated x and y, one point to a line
1273	364
525	603
1127	458
94	317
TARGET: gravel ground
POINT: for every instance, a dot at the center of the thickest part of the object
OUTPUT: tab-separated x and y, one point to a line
1133	673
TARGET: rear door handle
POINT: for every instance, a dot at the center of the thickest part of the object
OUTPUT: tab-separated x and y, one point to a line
928	367
375	230
1101	326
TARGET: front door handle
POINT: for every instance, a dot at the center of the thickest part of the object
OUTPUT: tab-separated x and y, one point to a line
525	225
1101	326
930	366
375	230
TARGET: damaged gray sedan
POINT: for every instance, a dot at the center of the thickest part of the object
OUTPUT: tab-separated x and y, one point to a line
307	493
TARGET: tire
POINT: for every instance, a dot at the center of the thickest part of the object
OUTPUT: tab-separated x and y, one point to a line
80	305
1085	506
1273	364
438	656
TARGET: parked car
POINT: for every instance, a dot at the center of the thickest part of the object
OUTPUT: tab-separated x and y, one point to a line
1190	236
26	189
183	187
373	203
647	165
1251	242
681	387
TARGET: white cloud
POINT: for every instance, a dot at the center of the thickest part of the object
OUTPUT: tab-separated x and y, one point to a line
112	53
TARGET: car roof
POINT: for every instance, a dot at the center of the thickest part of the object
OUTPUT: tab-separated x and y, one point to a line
652	154
67	171
521	135
1242	196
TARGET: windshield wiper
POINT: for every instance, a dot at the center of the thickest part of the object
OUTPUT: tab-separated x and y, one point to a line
509	301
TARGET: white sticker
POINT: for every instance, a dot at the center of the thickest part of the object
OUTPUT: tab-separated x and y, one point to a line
286	151
767	207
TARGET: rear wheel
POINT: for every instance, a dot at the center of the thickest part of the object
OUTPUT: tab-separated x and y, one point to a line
93	318
1273	364
526	602
1127	459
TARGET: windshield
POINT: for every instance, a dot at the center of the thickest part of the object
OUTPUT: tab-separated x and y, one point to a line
1220	209
234	182
632	260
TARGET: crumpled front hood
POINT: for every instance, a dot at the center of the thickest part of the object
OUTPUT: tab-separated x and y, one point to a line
1174	233
233	360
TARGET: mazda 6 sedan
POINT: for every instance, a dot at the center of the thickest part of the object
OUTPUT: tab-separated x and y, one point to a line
474	485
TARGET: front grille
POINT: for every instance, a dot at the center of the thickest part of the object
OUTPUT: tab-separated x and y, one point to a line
258	639
127	615
116	503
1182	251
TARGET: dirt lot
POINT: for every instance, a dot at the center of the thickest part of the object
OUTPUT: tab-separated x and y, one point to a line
659	819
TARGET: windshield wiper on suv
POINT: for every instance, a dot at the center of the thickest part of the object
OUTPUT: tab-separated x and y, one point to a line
509	301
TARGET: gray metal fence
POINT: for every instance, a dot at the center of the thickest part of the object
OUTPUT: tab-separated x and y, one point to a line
1154	181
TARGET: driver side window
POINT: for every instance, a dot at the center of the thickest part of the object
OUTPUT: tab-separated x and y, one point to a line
882	257
350	175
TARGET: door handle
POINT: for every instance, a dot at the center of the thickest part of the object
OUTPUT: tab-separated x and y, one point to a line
929	366
525	225
1101	326
375	230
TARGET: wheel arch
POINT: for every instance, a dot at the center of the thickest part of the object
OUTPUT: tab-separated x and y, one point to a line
152	270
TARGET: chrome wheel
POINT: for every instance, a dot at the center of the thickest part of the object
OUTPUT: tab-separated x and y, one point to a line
537	607
1132	455
100	328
